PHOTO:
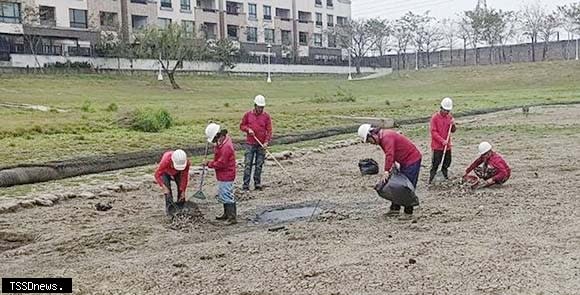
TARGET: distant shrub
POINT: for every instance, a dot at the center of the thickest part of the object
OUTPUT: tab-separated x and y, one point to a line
87	107
113	107
146	120
69	65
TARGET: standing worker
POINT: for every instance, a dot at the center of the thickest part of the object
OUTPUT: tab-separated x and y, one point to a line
257	125
442	125
224	164
174	166
493	169
397	148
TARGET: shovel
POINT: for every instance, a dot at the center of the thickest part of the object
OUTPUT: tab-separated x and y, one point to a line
199	194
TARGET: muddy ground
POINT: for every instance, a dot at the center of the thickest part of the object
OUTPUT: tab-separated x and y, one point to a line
522	238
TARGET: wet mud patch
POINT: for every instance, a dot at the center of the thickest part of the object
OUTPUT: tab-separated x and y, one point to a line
13	240
283	214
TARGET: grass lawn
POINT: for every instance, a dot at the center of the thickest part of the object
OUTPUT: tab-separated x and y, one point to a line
295	103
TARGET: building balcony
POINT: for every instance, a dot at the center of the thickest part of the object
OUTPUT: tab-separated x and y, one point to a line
206	15
283	24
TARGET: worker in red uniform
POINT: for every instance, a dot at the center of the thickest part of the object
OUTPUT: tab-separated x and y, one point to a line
442	125
224	164
490	166
399	149
257	125
174	166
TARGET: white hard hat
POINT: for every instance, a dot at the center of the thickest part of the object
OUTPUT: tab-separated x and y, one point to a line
484	147
179	159
260	101
447	104
211	131
363	131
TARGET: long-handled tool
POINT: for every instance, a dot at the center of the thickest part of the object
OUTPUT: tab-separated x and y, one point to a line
445	148
199	194
275	160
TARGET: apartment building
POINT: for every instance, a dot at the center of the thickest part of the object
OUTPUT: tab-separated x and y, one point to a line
291	27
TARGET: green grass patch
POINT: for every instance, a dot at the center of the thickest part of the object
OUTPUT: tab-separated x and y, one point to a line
296	103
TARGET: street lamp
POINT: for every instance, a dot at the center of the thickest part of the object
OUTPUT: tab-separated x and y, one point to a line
576	48
269	75
349	73
160	75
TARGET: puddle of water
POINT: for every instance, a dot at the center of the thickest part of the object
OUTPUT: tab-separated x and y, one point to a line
287	214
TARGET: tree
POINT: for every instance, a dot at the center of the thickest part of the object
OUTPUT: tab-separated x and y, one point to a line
506	31
382	31
433	38
450	32
465	32
403	33
31	17
532	18
570	16
475	19
167	45
418	23
358	37
549	25
224	51
112	44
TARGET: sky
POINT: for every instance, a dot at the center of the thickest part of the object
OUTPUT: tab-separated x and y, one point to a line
392	9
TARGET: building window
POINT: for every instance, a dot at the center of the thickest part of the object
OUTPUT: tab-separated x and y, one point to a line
318	40
233	32
304	17
252	11
163	23
330	20
138	22
319	19
186	5
188	28
267	12
318	3
331	41
139	1
165	3
286	38
10	13
78	18
108	19
47	16
269	36
341	21
252	34
329	3
283	14
303	38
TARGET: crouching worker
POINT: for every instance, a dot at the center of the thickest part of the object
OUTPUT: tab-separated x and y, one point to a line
397	148
490	166
224	164
174	166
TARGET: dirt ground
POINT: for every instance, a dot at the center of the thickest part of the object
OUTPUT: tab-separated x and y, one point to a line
522	238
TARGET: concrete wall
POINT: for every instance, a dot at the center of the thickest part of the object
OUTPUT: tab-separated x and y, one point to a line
24	60
557	50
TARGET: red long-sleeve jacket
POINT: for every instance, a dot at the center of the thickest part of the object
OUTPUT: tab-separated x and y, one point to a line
224	161
439	130
261	125
166	167
397	148
496	161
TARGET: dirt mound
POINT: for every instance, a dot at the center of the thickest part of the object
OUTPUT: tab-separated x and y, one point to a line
186	218
13	240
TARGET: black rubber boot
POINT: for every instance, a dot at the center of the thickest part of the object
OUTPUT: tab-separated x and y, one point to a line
224	216
232	214
169	205
445	174
432	176
394	210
